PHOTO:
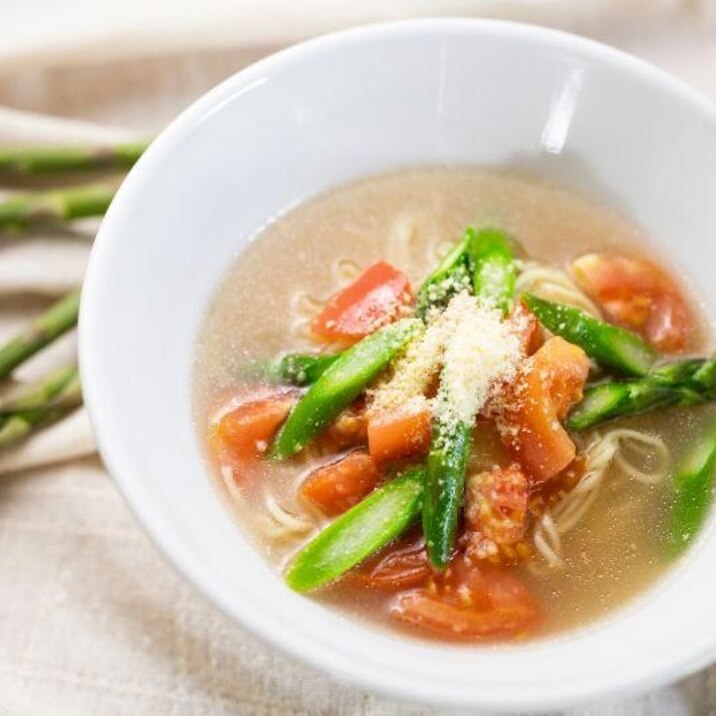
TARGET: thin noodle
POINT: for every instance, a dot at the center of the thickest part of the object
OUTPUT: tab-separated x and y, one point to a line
345	271
601	454
285	518
280	524
399	246
553	284
277	523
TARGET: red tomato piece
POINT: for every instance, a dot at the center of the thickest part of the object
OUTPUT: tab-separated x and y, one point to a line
349	429
247	430
496	512
637	295
394	436
401	565
339	485
373	300
531	337
550	383
470	602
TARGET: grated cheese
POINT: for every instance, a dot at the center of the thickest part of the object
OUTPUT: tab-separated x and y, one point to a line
483	351
477	350
405	389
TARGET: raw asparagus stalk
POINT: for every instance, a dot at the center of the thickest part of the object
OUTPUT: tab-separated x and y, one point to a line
41	394
693	491
373	523
341	383
39	161
611	346
56	206
493	267
58	319
61	392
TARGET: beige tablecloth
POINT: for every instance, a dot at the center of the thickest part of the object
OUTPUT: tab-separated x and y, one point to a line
92	619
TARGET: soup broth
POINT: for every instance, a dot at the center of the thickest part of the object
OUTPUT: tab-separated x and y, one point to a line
410	219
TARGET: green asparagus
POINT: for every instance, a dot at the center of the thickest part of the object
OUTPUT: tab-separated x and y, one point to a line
373	523
693	491
39	161
341	383
61	392
58	319
493	280
448	278
611	346
493	267
444	487
55	206
679	383
301	368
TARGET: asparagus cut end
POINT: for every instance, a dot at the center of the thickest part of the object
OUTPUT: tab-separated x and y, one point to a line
358	533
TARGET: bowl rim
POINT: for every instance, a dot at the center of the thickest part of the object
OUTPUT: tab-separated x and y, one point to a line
687	661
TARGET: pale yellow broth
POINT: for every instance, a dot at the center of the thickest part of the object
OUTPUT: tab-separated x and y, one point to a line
409	218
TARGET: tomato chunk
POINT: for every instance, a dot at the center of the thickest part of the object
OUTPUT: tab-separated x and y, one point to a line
530	337
470	602
398	435
496	513
637	295
349	429
247	430
401	565
339	485
550	383
373	300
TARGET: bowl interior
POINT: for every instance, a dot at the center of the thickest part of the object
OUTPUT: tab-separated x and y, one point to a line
409	94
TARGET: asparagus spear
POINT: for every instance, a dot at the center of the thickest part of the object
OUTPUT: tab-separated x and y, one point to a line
56	206
493	267
40	395
38	161
682	383
381	517
444	486
341	383
607	401
451	441
301	368
448	278
58	319
693	488
609	345
61	392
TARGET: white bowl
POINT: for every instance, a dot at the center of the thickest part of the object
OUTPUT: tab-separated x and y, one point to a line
320	114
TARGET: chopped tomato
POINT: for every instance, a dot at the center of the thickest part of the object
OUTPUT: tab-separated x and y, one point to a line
373	300
470	602
637	295
530	334
550	383
247	430
339	485
349	429
398	435
496	513
402	565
